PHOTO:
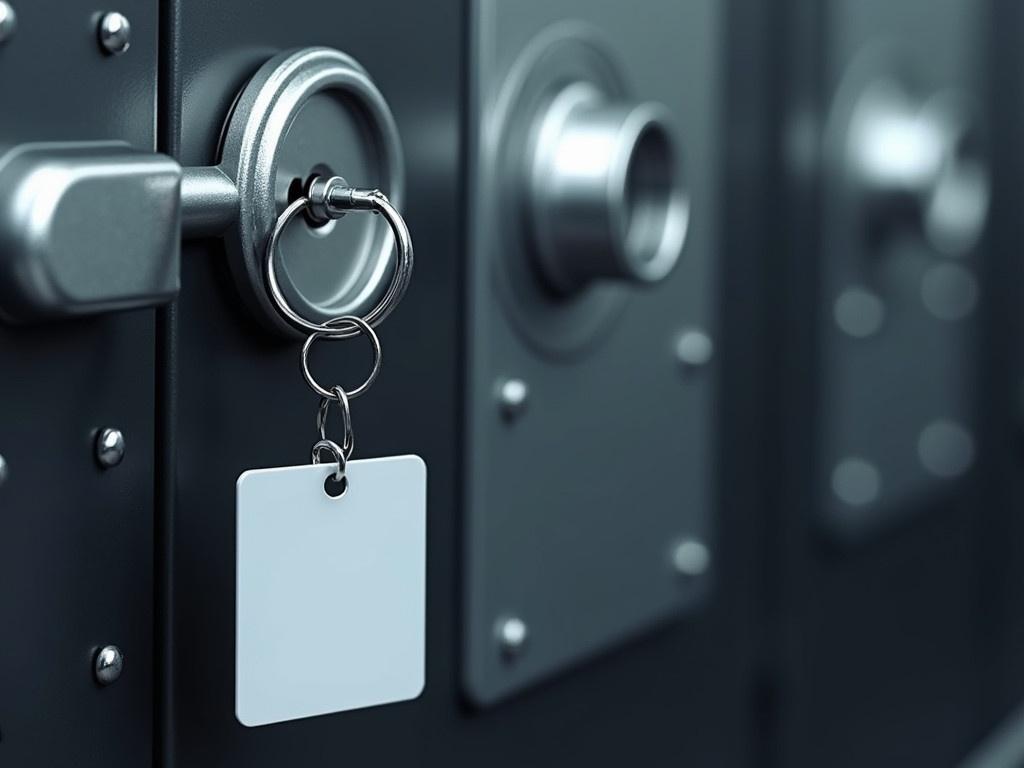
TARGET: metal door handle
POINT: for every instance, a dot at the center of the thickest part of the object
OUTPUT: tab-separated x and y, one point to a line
91	227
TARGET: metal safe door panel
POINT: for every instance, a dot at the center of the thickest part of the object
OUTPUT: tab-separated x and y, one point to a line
76	541
242	401
898	336
575	501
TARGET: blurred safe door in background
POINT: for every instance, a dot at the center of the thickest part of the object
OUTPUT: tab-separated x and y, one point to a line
77	387
885	141
617	384
590	326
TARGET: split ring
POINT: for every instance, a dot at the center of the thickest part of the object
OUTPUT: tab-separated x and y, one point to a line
361	326
333	199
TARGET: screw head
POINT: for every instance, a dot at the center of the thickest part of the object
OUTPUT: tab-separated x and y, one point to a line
109	447
512	635
8	21
856	482
694	349
690	557
108	664
513	395
115	33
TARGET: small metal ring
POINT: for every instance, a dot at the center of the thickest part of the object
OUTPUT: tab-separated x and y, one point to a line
348	442
378	203
361	326
336	451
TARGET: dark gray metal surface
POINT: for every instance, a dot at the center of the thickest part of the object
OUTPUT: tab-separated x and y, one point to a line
242	404
877	645
573	508
76	543
881	392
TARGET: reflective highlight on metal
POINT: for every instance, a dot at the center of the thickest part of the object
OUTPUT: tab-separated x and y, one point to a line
115	33
694	349
108	664
337	199
361	326
8	22
512	634
337	452
4	470
348	443
603	194
110	447
919	159
513	395
691	557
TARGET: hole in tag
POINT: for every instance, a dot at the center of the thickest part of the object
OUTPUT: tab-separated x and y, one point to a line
335	488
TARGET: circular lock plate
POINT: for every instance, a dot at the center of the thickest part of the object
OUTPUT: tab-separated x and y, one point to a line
308	112
554	325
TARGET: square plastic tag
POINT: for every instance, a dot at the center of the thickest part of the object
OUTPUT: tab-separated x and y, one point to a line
330	591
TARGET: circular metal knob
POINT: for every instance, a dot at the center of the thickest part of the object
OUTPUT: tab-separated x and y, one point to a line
604	197
918	160
304	113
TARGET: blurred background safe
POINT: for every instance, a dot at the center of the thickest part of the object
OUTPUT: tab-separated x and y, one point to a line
712	350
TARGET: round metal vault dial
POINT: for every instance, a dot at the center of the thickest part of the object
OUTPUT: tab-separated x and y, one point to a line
911	160
589	179
305	113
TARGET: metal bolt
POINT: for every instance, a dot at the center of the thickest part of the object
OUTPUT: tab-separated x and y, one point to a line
945	448
512	636
108	664
109	447
115	33
856	482
859	312
694	349
8	21
4	471
690	557
512	396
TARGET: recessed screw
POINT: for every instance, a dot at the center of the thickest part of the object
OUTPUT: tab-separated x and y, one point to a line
513	395
115	33
690	557
108	664
4	471
512	636
8	21
109	447
694	349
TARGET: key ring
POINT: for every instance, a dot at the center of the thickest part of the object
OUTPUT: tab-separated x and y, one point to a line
331	199
339	456
324	329
348	443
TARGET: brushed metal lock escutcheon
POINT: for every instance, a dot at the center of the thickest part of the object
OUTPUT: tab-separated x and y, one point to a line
89	227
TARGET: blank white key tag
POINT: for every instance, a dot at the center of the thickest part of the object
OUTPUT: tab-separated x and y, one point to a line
331	572
330	591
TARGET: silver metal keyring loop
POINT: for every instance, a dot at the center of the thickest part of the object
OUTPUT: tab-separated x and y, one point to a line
361	326
335	200
348	442
336	451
